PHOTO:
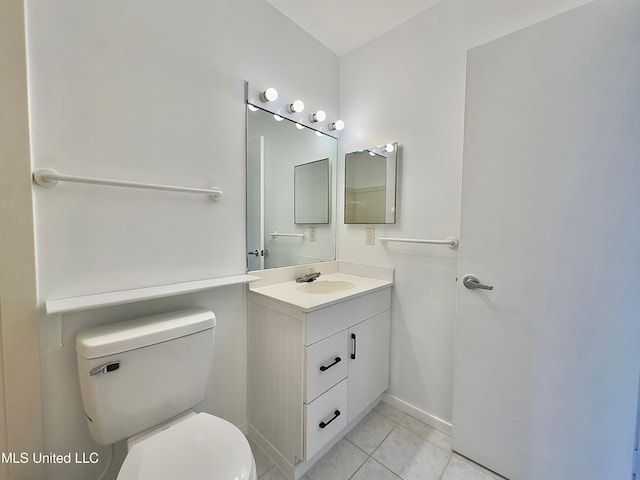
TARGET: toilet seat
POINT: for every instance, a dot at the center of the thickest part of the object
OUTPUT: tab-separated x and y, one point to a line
202	447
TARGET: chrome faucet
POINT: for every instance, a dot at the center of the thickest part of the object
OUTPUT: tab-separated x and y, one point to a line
307	277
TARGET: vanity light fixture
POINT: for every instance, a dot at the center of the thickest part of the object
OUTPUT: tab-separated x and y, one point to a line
299	126
389	147
277	117
337	125
319	133
269	95
253	108
295	107
319	116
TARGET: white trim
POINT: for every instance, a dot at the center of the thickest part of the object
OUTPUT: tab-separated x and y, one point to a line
271	452
429	419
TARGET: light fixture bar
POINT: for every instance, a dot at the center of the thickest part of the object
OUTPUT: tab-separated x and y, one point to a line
284	106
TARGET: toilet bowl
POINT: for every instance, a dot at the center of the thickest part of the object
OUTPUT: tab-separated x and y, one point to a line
139	380
202	447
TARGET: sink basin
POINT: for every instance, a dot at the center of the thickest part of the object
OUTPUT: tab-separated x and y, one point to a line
326	286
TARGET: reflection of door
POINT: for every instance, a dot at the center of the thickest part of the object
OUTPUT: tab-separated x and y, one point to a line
255	203
547	363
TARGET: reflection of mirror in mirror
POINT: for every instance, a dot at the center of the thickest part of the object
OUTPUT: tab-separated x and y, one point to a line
370	185
311	192
277	232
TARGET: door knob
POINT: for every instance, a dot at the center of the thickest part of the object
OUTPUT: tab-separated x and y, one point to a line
472	282
256	252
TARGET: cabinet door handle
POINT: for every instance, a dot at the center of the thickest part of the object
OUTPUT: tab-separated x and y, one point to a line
353	344
327	367
336	414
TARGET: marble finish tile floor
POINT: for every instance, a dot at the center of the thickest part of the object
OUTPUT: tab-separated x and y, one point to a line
387	444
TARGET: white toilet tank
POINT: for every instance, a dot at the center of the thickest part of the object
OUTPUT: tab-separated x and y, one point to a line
139	373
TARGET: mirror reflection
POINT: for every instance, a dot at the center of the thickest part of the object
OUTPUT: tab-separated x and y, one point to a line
291	179
370	185
311	192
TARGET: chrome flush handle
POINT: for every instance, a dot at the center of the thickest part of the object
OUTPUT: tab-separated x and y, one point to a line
106	368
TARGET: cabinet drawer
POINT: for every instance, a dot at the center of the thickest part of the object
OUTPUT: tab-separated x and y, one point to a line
327	321
326	364
325	417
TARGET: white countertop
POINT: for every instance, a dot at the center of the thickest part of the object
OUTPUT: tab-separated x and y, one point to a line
293	293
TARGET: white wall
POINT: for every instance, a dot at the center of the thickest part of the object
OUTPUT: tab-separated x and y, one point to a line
420	104
149	91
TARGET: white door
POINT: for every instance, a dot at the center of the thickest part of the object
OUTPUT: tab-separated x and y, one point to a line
547	363
255	203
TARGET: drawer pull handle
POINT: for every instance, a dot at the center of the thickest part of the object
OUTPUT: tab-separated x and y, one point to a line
327	367
336	414
353	340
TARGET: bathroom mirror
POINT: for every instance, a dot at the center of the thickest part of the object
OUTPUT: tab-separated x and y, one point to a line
370	185
311	192
291	178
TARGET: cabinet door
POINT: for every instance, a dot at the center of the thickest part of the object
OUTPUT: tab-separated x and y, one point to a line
368	368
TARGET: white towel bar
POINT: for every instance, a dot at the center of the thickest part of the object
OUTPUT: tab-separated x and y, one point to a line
48	178
451	241
276	234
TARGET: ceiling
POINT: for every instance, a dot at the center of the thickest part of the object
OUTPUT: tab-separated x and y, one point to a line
343	25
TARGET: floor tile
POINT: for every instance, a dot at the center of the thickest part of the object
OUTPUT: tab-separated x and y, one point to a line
339	463
389	411
411	457
372	470
371	431
427	432
459	469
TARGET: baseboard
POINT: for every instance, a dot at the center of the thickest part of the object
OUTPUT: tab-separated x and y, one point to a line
431	420
243	427
270	451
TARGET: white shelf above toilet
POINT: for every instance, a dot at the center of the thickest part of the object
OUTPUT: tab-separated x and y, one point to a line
88	302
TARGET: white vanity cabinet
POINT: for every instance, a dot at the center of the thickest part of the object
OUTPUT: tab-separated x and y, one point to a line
311	373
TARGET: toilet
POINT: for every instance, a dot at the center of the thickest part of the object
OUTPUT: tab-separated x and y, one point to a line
139	381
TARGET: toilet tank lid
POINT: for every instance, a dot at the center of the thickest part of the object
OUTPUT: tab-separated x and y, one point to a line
114	338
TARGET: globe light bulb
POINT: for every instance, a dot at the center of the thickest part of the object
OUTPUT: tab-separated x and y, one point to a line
269	95
296	107
337	125
319	116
